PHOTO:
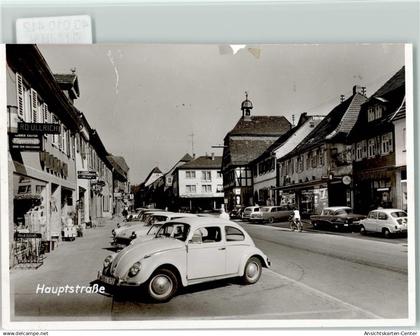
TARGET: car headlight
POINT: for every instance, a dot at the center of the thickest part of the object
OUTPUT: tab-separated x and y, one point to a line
107	261
134	270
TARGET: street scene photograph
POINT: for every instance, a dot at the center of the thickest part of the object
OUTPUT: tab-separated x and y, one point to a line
171	182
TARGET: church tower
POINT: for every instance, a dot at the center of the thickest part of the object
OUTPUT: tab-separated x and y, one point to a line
246	108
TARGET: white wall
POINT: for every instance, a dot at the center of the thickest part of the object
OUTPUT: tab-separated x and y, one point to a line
400	143
198	182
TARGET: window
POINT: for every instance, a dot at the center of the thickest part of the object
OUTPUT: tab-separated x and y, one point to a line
34	106
233	234
382	215
219	188
373	215
206	175
386	143
209	234
301	163
20	96
206	188
375	112
359	151
314	160
371	148
219	174
189	174
371	114
190	188
321	157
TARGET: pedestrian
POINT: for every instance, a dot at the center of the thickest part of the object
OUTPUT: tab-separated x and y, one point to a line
223	213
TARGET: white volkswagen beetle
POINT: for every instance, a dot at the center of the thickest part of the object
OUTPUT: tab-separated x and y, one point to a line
184	252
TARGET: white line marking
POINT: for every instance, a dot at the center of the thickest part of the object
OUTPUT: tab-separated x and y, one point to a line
328	296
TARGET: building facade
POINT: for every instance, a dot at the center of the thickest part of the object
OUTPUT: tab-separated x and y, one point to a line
264	168
378	140
318	172
198	184
250	137
42	182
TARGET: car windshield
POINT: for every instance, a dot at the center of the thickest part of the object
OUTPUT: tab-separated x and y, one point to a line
157	218
265	209
398	214
173	230
154	229
344	211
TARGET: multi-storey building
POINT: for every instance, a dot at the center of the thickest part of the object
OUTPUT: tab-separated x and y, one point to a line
264	168
121	184
378	138
198	184
42	182
250	137
318	172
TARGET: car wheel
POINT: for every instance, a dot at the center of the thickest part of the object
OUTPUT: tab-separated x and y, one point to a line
162	285
271	220
362	230
387	233
252	272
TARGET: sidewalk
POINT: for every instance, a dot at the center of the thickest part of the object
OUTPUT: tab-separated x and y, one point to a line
71	263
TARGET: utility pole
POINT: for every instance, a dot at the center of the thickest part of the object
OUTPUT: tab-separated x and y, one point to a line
192	143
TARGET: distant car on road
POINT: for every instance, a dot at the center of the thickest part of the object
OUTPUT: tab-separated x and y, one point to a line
386	221
248	211
184	252
337	218
271	214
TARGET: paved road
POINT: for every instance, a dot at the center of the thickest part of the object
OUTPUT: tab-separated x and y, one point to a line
314	276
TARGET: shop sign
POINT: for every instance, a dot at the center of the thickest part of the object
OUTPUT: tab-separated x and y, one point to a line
38	128
86	175
346	180
27	235
26	142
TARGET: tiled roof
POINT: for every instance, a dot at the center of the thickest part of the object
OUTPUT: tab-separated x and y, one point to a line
243	150
400	114
120	161
261	125
393	83
203	162
187	157
335	126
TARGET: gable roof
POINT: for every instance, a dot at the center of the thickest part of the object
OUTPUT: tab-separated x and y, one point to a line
243	150
335	126
396	81
283	138
261	125
203	162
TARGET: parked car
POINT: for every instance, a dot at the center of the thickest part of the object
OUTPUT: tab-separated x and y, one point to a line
185	251
271	214
338	218
236	213
125	237
387	221
140	219
248	211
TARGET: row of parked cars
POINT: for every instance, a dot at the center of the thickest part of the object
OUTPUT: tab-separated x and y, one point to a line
161	251
389	222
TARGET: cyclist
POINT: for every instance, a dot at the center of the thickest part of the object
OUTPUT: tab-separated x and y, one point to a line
295	220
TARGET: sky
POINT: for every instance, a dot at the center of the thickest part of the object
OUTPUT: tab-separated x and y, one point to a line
145	100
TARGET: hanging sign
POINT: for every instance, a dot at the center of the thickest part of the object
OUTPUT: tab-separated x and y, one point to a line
26	142
86	175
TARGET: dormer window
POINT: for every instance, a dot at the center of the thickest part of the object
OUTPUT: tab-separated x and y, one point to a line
375	112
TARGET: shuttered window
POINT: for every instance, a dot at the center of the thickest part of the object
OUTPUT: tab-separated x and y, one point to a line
20	96
34	106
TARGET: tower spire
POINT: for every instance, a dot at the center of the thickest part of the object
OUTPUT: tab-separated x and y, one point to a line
246	108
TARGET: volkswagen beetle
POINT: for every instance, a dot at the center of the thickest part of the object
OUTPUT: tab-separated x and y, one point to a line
184	252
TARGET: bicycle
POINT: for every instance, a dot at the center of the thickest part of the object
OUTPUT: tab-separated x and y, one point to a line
295	224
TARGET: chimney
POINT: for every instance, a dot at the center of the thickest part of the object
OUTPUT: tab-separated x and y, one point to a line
359	89
193	156
342	98
212	156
